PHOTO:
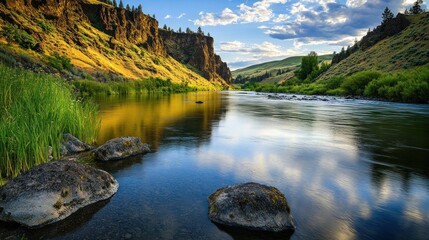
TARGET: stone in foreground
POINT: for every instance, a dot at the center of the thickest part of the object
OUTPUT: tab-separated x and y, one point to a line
252	206
72	145
53	191
119	148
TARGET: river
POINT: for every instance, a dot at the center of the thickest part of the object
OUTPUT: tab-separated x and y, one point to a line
350	169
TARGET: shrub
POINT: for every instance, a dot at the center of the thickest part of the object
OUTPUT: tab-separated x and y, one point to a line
60	62
356	83
12	33
46	27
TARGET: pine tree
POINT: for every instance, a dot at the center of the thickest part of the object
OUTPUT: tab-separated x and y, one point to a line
200	31
115	4
128	7
180	30
139	9
406	12
387	15
188	30
416	8
121	4
165	27
133	9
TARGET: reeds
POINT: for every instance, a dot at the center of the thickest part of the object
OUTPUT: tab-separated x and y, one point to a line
35	111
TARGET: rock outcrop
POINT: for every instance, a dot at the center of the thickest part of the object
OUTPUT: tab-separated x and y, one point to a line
196	50
119	148
124	28
53	191
72	145
252	206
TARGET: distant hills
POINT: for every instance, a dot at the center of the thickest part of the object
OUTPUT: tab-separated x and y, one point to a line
91	39
273	72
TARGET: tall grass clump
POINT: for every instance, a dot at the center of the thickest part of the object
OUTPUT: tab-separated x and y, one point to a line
144	86
35	111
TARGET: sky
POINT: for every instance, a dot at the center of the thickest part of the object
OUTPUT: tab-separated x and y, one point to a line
250	32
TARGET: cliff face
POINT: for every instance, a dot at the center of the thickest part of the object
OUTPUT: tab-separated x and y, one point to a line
79	24
196	50
125	26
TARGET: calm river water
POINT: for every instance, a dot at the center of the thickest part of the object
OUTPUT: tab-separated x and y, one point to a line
350	169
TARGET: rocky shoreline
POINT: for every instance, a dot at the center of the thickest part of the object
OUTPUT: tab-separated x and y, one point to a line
52	191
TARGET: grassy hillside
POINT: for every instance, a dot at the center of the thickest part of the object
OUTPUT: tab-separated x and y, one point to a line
405	50
93	53
286	66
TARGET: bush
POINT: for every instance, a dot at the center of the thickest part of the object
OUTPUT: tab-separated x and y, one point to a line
60	62
12	33
356	83
46	27
404	86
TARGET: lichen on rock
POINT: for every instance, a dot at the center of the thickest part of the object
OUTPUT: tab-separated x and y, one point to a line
251	205
120	148
53	191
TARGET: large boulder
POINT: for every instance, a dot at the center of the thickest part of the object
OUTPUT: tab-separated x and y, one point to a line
71	145
119	148
252	206
53	191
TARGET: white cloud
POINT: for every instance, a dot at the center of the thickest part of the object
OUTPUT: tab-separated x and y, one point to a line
211	19
181	15
249	54
298	7
263	27
260	11
167	16
355	3
281	18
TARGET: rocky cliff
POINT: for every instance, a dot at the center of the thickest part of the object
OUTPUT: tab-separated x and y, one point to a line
196	50
98	37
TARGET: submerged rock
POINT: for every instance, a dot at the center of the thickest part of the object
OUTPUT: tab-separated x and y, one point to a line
119	148
53	191
72	145
251	205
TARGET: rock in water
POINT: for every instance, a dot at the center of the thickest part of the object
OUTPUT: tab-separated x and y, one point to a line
119	148
72	145
53	191
251	205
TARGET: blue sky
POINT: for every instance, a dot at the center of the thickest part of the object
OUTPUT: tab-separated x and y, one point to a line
251	32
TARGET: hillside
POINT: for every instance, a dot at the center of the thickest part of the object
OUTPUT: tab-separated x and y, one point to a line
102	42
404	50
279	70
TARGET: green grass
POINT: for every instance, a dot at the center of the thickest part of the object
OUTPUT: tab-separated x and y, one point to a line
288	64
35	111
404	86
145	86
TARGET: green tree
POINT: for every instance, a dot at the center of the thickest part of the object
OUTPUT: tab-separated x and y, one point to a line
416	8
387	15
165	27
115	4
200	31
128	7
121	4
180	30
309	64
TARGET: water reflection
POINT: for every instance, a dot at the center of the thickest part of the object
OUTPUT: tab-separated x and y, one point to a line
152	116
349	169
